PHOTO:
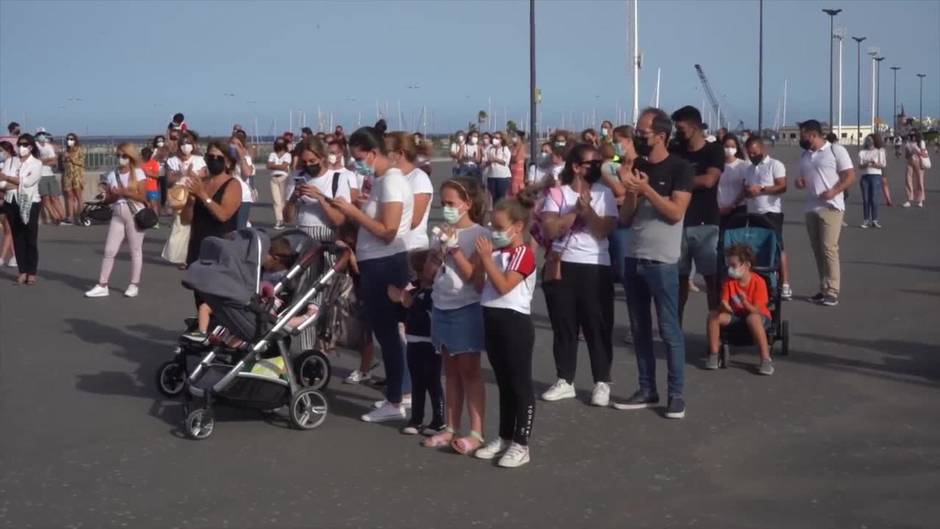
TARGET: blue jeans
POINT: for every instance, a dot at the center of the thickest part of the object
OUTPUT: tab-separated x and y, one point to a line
646	281
382	314
871	187
498	187
619	241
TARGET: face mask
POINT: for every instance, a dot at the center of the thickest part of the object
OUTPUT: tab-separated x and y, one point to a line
501	239
544	159
642	145
24	150
473	140
735	272
331	158
186	148
730	152
452	215
123	161
312	169
215	165
160	144
618	150
497	142
604	133
233	151
593	173
756	160
363	168
515	140
805	145
460	139
486	141
560	143
70	143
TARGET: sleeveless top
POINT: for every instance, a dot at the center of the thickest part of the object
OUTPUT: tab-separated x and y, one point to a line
204	223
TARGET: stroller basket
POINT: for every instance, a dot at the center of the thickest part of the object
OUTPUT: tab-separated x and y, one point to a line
247	389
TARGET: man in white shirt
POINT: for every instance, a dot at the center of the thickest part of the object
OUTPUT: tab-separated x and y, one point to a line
765	180
826	171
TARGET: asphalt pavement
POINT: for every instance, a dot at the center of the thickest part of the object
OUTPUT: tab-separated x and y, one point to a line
844	435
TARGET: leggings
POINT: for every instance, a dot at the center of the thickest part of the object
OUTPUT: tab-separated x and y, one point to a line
425	366
25	237
375	277
122	225
510	338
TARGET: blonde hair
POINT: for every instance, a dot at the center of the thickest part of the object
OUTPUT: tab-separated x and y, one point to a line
131	151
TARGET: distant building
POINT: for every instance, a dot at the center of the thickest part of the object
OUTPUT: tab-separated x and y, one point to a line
849	135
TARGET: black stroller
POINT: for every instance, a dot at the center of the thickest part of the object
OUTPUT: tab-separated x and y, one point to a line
258	374
95	211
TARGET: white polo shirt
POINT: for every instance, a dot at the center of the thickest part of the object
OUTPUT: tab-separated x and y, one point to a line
764	174
821	169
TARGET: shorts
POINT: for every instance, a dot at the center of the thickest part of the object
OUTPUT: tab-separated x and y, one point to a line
776	221
699	244
49	186
153	195
741	321
459	330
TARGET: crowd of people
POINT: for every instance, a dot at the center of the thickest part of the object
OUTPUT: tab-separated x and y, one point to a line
644	206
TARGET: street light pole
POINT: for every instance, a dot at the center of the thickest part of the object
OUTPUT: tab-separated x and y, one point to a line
533	115
874	53
760	74
832	16
878	86
921	75
894	106
858	92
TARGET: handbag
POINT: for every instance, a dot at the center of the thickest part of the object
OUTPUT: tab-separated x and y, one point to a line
925	162
344	325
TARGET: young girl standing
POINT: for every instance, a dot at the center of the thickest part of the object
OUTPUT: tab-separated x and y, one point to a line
507	277
457	318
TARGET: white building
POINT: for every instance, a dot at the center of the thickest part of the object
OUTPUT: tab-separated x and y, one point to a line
848	135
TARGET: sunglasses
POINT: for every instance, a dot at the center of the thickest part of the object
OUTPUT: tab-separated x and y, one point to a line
23	145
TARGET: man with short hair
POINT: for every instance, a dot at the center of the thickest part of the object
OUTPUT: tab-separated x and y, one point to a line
700	231
658	192
826	171
14	133
765	180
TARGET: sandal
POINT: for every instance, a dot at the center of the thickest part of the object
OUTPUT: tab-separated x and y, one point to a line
31	280
469	444
21	279
439	440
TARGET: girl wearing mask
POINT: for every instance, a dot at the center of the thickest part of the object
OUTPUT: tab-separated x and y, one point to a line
50	190
151	168
279	162
8	190
498	175
731	183
517	160
23	210
382	254
127	193
456	316
74	178
403	154
577	276
456	146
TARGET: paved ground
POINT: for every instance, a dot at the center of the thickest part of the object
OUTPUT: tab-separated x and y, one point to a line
845	435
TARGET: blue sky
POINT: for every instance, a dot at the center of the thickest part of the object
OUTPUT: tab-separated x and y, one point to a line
133	64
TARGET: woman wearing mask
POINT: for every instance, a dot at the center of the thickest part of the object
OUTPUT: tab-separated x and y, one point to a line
23	211
517	161
382	254
915	151
244	171
403	154
577	276
607	132
74	177
499	175
186	164
470	156
731	182
7	194
548	166
871	161
127	194
161	153
279	162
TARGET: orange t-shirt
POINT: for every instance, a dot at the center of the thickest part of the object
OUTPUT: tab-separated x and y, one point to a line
755	292
152	170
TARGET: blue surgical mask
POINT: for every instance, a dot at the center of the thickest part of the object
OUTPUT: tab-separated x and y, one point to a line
364	169
501	239
452	215
618	149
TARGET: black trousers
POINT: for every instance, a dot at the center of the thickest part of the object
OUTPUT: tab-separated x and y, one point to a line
583	299
510	338
424	364
25	237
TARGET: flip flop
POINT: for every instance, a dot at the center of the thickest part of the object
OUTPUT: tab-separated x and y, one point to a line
469	444
438	440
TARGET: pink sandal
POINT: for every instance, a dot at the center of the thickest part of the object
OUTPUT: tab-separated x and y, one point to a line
439	440
468	445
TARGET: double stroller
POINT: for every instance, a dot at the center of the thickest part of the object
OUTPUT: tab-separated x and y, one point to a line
758	233
247	361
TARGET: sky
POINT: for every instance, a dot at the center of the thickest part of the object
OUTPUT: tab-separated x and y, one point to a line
109	67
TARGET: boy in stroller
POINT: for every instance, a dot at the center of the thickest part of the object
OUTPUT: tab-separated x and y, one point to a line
744	303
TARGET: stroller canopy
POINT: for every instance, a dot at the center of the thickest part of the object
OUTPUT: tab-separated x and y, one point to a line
229	268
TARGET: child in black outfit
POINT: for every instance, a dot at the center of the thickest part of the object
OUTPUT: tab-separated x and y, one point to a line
424	363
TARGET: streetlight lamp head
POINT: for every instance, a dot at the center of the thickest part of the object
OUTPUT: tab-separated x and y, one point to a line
832	12
859	39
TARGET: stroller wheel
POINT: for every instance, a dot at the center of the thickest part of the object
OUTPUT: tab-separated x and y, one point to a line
170	378
313	369
308	409
785	338
85	221
199	424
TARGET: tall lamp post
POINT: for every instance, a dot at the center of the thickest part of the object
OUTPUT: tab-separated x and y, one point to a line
760	74
921	75
832	16
533	115
874	53
839	34
858	92
894	105
878	88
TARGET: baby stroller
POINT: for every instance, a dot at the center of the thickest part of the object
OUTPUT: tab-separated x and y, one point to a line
758	233
258	375
95	211
312	367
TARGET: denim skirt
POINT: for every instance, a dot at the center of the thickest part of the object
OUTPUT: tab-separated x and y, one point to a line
458	330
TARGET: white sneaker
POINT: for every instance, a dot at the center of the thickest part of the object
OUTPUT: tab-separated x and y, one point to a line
906	204
559	390
601	394
388	412
357	377
865	225
786	293
516	456
12	262
492	449
405	403
920	204
131	291
98	292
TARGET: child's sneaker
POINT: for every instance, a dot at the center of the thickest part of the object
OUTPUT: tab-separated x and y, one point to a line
357	377
492	449
388	412
433	429
196	336
766	367
516	456
412	429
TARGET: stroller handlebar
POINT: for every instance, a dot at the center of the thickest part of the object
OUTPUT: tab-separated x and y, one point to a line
344	259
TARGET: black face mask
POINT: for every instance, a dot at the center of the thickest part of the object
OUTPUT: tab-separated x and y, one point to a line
312	169
805	145
756	160
681	138
593	173
642	145
215	165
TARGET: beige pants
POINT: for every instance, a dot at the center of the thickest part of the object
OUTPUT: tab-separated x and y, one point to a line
824	227
914	183
277	197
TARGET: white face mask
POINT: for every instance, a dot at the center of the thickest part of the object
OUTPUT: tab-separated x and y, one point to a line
730	152
515	140
460	139
186	148
331	158
70	143
160	144
497	142
123	161
24	151
473	141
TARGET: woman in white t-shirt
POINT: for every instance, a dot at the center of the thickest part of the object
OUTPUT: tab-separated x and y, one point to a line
577	279
127	194
24	174
469	156
915	150
279	162
185	164
546	169
382	254
244	172
871	162
498	174
403	153
731	183
456	315
7	194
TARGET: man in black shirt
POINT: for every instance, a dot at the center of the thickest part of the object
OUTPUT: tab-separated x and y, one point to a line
700	233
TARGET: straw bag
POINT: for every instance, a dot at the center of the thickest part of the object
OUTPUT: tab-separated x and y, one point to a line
177	245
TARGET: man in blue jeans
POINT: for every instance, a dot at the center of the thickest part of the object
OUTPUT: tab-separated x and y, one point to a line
658	193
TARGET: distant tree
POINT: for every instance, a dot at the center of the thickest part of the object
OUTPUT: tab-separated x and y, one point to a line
511	126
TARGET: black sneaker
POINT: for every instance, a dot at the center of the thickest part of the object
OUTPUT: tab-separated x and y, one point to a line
830	301
196	337
433	429
676	409
638	401
818	298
